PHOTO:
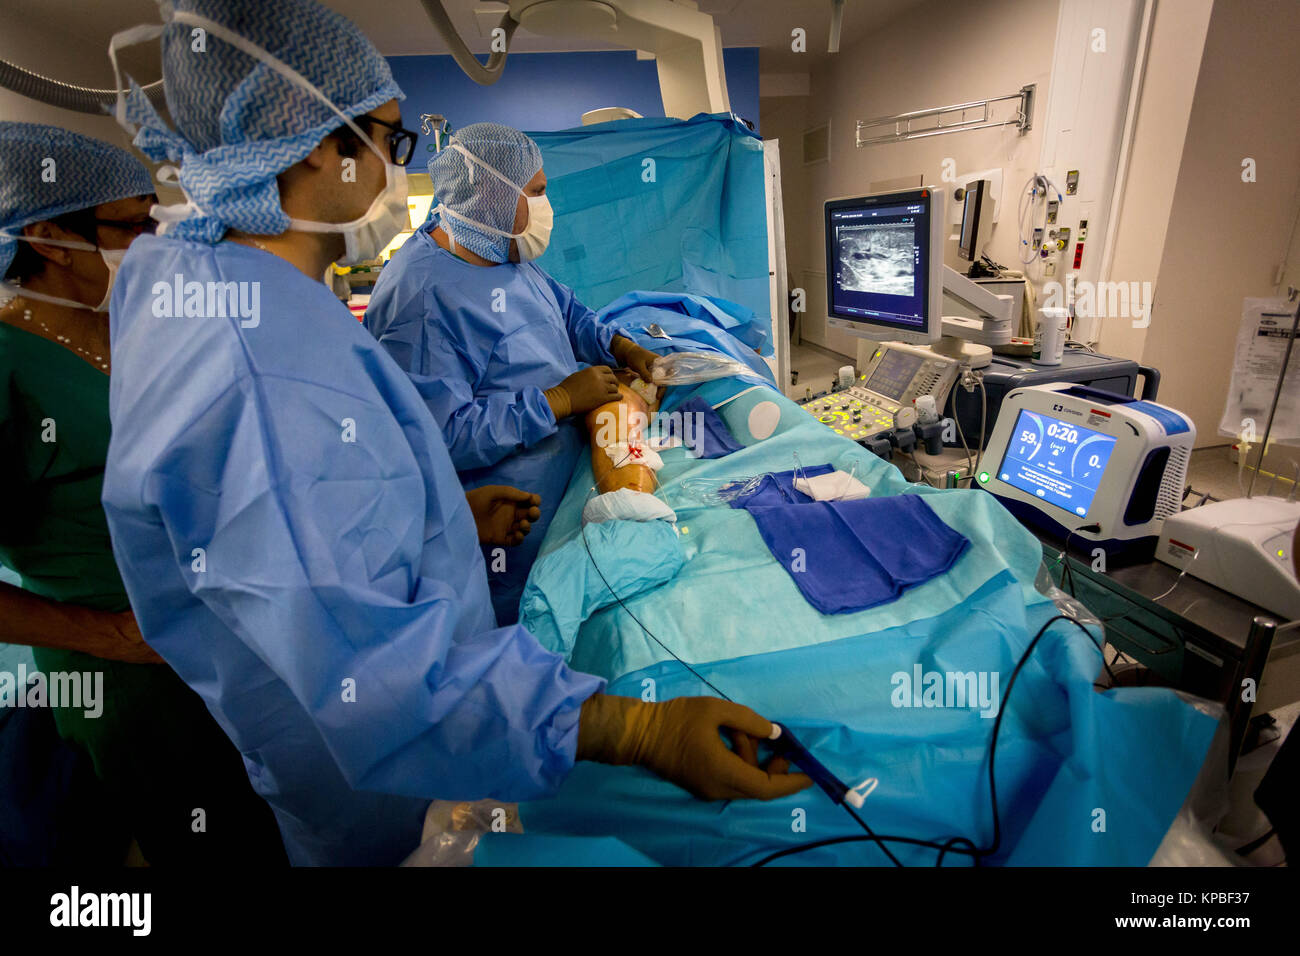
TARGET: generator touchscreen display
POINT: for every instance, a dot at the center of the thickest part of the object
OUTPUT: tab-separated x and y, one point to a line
1060	462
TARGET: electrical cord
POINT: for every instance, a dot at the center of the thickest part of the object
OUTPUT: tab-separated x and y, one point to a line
956	417
950	846
582	531
984	408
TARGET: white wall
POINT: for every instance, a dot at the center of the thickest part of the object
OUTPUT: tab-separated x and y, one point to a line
969	53
1155	155
1228	239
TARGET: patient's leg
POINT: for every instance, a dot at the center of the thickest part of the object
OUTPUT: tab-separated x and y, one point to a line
621	426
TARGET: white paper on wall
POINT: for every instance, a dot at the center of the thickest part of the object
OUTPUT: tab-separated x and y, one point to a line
1266	326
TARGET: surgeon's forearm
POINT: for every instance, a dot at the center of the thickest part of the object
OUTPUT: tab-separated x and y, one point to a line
34	621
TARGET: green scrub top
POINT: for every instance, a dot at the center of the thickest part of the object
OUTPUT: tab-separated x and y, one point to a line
155	746
54	433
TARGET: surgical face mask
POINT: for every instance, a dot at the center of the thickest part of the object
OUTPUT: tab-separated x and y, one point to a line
536	235
364	237
112	260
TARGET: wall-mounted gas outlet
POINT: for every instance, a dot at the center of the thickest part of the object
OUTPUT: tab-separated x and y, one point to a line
1052	206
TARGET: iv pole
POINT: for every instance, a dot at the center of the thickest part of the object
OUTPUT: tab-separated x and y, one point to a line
1291	294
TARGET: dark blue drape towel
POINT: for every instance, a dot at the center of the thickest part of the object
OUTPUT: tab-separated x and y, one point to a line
848	556
777	488
713	439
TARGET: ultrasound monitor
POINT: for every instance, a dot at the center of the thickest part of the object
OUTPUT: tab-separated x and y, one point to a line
884	265
976	220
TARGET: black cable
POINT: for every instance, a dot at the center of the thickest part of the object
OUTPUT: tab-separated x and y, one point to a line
1248	848
944	848
977	853
582	531
831	841
1067	570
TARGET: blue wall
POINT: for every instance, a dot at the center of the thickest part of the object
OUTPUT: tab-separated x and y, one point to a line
549	91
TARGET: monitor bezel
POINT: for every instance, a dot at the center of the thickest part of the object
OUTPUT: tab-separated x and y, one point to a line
975	213
879	330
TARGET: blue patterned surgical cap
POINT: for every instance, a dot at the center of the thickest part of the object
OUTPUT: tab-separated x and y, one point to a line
240	122
471	191
46	171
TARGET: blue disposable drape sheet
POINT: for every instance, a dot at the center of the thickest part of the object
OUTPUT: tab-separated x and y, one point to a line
658	204
852	686
696	323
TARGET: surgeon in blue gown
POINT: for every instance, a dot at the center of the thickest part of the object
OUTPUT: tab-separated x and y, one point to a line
282	506
507	359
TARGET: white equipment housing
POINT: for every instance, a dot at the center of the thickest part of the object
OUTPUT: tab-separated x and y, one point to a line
1066	457
1242	545
687	47
992	327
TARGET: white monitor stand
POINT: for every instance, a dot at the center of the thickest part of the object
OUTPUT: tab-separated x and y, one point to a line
969	340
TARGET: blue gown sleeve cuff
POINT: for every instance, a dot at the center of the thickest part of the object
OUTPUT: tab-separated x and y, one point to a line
539	420
605	332
562	736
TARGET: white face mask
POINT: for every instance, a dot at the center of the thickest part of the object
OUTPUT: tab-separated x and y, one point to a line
541	217
364	237
112	260
537	234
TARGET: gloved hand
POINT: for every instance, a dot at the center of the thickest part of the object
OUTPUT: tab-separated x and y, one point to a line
630	355
503	515
582	391
678	740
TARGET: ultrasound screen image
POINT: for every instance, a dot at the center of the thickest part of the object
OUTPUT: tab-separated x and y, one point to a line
878	257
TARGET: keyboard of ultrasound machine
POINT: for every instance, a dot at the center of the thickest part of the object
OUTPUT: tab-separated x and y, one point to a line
851	415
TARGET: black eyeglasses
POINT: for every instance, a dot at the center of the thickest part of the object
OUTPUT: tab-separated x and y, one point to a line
137	226
401	142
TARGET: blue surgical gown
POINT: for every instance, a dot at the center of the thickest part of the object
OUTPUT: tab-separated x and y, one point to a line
296	545
481	343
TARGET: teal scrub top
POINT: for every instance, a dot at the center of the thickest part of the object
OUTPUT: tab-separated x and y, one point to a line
54	432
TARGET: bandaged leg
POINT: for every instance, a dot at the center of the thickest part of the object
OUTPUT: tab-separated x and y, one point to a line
619	452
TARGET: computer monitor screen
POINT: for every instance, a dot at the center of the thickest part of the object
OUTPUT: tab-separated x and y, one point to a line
1060	462
974	221
894	373
880	262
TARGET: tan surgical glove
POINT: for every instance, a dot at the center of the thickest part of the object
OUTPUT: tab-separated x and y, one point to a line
679	740
632	356
582	391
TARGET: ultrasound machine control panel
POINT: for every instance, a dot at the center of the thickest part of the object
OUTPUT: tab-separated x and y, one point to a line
882	398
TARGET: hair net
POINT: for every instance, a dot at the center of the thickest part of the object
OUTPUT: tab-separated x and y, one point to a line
46	171
471	191
239	121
